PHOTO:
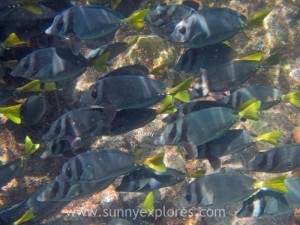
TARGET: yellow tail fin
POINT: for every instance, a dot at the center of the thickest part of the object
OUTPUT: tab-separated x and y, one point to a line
136	19
99	63
250	109
276	184
257	19
28	215
11	64
293	98
167	106
148	204
11	41
270	137
254	57
37	86
30	148
181	91
12	112
156	162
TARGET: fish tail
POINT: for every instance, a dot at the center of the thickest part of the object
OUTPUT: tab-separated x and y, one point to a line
12	40
293	98
257	19
100	62
253	57
270	137
156	162
136	19
12	112
167	106
28	215
115	4
250	109
276	184
11	64
148	204
181	91
30	148
32	6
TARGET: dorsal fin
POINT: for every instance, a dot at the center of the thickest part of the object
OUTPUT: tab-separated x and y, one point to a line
191	4
137	70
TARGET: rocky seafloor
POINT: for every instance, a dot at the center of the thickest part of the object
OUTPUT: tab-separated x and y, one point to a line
281	30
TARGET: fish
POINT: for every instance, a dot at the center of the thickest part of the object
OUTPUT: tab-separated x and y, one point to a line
28	113
193	60
186	108
78	125
271	203
132	90
100	23
269	96
93	171
200	127
33	110
277	160
222	188
229	76
12	41
192	28
233	141
55	64
9	171
145	180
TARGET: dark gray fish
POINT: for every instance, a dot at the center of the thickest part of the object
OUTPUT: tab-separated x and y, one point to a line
193	29
271	203
60	147
194	60
9	171
33	110
190	107
85	23
229	76
125	91
78	126
231	142
269	96
146	179
277	160
51	64
198	128
217	189
88	173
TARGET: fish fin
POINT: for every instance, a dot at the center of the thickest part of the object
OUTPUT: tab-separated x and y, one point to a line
28	215
115	4
12	40
136	70
75	42
12	112
156	162
100	62
250	109
270	137
257	19
191	150
167	106
214	162
181	91
34	8
33	86
148	204
276	184
30	148
196	174
254	57
136	19
11	64
226	43
293	98
191	4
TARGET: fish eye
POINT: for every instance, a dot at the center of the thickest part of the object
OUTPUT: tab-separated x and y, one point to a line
94	93
188	197
182	30
60	24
